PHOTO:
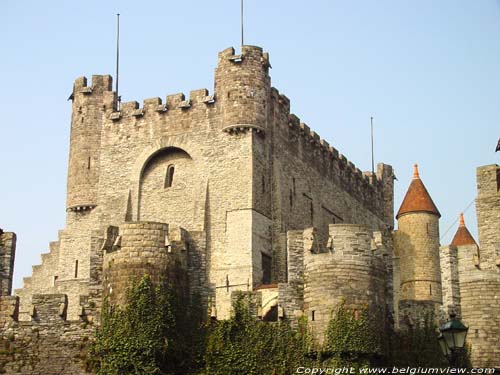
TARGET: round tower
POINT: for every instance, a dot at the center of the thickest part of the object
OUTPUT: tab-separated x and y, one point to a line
139	249
417	244
350	272
243	89
90	104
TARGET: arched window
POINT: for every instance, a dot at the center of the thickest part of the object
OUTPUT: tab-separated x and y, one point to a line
169	178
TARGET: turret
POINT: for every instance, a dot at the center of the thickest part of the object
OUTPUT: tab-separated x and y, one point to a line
243	88
462	236
90	104
417	245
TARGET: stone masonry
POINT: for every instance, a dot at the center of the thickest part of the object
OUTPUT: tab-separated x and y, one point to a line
228	193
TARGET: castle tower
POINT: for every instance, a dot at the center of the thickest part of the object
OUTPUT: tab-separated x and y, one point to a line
449	257
89	106
479	271
243	89
417	246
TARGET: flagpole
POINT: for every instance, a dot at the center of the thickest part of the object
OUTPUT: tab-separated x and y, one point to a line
373	163
118	98
242	23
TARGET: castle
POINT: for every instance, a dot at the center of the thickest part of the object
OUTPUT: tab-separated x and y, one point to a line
229	192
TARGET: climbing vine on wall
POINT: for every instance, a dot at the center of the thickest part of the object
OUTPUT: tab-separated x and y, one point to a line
245	345
155	332
355	337
133	339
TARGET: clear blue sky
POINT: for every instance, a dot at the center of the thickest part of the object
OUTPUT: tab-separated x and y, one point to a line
427	70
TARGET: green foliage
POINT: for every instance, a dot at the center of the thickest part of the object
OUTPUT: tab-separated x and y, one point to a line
133	339
417	346
351	340
245	345
156	332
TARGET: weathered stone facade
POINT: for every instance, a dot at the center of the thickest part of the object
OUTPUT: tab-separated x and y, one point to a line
472	273
219	193
7	256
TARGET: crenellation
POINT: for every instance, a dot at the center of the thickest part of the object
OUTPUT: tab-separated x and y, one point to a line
151	104
256	203
174	100
128	108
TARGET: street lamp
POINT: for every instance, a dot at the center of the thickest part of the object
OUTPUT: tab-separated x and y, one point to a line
452	338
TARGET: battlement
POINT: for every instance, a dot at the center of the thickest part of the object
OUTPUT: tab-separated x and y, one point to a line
49	308
100	84
370	189
153	107
348	269
488	180
249	54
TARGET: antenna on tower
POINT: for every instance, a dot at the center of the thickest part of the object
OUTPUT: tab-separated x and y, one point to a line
373	163
242	23
118	97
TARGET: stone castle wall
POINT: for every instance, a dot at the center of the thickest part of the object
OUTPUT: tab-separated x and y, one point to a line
348	270
48	343
7	256
479	273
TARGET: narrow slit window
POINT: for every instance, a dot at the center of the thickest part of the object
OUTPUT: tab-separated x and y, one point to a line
76	269
312	213
88	163
313	315
263	185
430	289
291	198
266	268
169	178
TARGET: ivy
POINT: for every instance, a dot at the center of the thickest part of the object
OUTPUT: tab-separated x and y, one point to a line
133	339
417	346
245	345
158	332
352	340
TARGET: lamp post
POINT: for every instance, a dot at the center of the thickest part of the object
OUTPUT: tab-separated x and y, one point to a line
452	339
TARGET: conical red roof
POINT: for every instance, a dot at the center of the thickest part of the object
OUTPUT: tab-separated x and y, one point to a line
417	198
462	236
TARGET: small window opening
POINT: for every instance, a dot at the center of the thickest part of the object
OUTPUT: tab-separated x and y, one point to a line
312	213
55	279
263	185
169	178
291	198
313	315
266	269
430	289
88	163
76	269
